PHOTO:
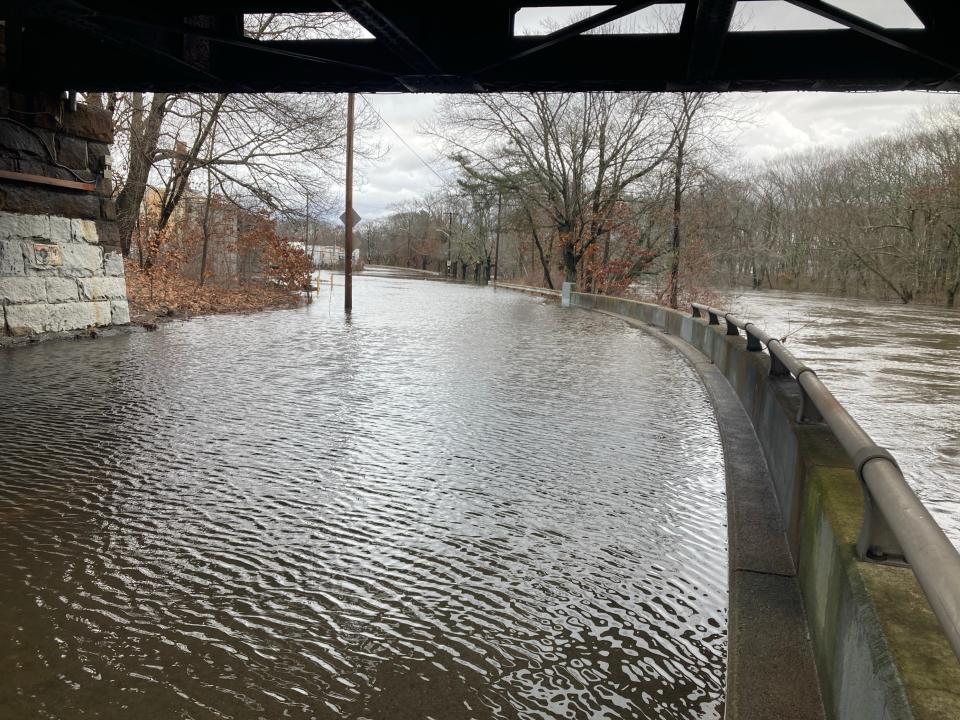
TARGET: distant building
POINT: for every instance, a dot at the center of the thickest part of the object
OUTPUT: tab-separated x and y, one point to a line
329	255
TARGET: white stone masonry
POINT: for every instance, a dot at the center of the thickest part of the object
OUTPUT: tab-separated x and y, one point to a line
55	277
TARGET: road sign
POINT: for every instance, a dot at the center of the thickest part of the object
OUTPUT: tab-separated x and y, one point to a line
356	217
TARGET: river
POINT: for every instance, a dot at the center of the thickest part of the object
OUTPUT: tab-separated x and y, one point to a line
454	504
895	367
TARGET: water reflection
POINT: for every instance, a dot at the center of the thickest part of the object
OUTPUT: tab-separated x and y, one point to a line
462	504
897	370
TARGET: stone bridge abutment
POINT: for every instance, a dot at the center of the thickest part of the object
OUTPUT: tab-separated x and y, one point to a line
61	270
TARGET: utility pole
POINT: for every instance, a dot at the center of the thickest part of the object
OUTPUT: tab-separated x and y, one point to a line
306	233
449	240
496	258
348	233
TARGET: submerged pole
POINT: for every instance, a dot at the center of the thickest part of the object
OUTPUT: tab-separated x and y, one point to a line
348	215
449	241
496	262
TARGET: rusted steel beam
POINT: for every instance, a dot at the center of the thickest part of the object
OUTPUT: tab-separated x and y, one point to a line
45	180
795	60
570	31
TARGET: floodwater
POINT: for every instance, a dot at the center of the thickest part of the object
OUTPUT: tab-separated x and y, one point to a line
895	367
459	503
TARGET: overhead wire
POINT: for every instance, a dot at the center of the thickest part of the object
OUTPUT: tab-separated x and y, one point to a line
415	154
405	143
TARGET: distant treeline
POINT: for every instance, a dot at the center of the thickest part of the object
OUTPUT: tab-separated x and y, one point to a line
881	218
635	193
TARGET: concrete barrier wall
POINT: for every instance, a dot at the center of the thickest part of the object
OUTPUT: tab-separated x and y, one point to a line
880	652
542	292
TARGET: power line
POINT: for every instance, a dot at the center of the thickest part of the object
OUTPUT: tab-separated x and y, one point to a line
406	145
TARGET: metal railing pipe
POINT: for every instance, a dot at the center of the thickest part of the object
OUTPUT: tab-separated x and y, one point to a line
761	334
848	432
931	555
731	318
897	528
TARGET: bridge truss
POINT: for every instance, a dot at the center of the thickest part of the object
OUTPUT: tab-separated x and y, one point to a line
418	46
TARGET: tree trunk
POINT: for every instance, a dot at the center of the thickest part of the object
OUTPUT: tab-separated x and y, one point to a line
206	230
144	136
675	244
902	292
206	243
185	164
544	260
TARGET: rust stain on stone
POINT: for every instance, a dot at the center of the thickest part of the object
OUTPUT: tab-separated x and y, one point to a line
47	255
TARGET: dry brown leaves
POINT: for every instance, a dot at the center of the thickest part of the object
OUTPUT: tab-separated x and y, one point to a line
161	291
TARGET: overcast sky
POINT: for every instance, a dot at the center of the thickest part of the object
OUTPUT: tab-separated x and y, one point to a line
780	122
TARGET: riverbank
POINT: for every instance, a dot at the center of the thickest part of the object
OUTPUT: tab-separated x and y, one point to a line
162	294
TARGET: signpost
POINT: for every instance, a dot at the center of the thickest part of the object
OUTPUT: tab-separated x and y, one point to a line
349	216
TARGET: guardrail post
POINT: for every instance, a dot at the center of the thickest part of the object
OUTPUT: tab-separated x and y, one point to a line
808	413
877	542
753	342
696	311
714	320
777	368
731	328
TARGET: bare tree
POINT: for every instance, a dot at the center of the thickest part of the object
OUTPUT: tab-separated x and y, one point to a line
696	119
881	217
261	149
571	157
141	140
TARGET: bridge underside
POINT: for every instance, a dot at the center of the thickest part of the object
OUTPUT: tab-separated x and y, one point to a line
420	46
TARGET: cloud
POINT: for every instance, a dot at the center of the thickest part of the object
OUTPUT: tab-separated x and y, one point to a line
779	123
794	122
400	175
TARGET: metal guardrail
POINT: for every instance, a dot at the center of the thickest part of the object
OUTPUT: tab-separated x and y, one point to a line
897	528
526	288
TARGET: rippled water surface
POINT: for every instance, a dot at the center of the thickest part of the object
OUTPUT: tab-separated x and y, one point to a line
895	367
462	503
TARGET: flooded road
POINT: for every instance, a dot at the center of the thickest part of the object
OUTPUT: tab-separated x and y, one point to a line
458	504
895	367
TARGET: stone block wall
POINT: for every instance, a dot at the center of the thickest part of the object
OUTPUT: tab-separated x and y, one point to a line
60	263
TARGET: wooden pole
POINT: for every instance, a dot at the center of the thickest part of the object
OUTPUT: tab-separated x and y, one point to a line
449	243
496	261
348	234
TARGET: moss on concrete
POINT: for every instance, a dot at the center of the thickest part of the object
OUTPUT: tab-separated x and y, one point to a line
908	635
910	654
928	667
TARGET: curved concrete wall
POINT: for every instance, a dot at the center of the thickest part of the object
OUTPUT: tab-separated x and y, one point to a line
879	650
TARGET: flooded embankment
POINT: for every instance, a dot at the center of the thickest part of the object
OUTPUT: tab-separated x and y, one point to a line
456	504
